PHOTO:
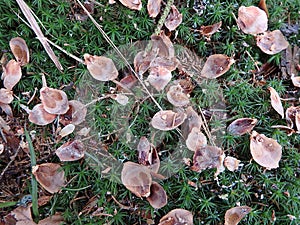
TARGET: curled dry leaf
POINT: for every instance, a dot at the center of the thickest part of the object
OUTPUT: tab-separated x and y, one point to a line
276	102
71	151
296	81
153	7
142	62
216	65
174	19
241	126
7	109
262	5
177	97
39	116
11	74
50	176
207	157
158	196
76	113
132	4
137	179
147	155
162	45
68	129
128	81
208	31
196	139
234	215
100	67
265	151
120	98
271	42
231	163
297	121
192	120
54	101
252	20
287	129
20	215
290	115
159	77
177	216
20	50
6	96
167	120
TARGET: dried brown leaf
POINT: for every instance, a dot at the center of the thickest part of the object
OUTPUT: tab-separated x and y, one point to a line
39	116
6	96
20	50
50	176
271	42
231	163
54	101
12	74
132	4
162	45
262	5
76	113
100	67
234	215
241	126
158	196
252	20
177	97
67	130
55	219
120	98
167	120
276	102
290	115
193	120
137	179
196	139
177	216
174	19
265	151
20	216
153	7
71	151
208	31
297	121
216	65
159	77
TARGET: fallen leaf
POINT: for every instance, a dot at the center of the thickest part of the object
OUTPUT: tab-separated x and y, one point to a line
39	116
71	151
193	120
6	96
234	215
271	42
20	50
76	113
207	157
177	216
120	98
54	101
67	130
252	20
174	19
128	81
153	7
287	129
216	65
290	115
137	179
7	109
158	196
297	121
12	74
177	97
196	139
276	102
167	120
231	163
241	126
100	67
50	176
208	31
20	216
132	4
262	5
162	45
159	77
55	219
265	151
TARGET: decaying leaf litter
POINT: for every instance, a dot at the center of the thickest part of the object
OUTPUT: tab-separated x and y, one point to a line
159	62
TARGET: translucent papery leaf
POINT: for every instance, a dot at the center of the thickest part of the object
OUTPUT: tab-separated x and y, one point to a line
20	50
177	216
132	4
276	102
271	42
177	97
234	215
153	7
158	196
159	77
193	120
252	20
6	96
38	115
76	113
167	120
231	163
11	74
241	126
196	139
162	45
71	151
174	18
54	101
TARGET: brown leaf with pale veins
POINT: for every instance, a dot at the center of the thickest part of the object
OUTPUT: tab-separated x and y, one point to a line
265	151
174	19
100	67
177	97
76	113
137	179
231	163
234	215
132	4
39	116
153	7
271	42
167	120
196	139
54	101
158	196
20	50
276	102
241	126
252	20
71	151
208	31
216	65
177	217
12	74
50	176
